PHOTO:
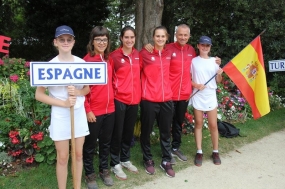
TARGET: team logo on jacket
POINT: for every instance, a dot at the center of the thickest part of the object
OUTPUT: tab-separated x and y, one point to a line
190	55
174	55
122	61
152	58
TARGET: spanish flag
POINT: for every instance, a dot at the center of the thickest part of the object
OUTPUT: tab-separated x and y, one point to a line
247	71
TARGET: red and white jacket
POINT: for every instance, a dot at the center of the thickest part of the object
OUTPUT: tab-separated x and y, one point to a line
100	100
180	65
155	75
126	76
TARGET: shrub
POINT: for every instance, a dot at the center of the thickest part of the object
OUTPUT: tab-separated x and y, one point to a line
23	120
14	68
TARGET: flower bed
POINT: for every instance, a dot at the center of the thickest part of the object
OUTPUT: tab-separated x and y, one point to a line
23	120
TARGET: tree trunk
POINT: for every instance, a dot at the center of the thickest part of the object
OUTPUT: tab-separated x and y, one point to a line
148	16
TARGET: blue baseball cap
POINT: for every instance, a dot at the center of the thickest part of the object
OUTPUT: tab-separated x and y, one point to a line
63	30
205	40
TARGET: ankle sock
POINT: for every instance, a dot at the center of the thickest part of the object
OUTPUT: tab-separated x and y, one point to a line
199	151
216	151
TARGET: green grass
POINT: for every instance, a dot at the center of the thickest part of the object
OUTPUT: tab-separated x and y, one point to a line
44	177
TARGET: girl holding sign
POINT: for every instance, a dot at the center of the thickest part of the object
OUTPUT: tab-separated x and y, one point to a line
61	98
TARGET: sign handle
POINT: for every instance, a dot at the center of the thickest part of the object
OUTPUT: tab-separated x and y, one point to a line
73	155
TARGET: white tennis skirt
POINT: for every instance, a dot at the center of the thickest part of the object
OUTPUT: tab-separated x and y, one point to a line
204	100
60	127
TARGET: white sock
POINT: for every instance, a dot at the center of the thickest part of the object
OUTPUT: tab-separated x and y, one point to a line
216	151
164	162
199	151
174	149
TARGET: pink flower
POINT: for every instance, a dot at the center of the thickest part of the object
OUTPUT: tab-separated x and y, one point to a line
37	122
37	137
35	145
30	159
1	62
14	78
13	134
28	72
27	64
15	140
15	153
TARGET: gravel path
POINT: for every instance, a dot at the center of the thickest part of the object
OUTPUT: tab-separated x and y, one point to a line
259	165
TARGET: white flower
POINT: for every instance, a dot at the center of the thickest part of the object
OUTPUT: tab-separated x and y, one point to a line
233	108
153	133
219	116
2	144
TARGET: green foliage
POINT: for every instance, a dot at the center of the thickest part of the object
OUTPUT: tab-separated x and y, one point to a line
23	120
14	67
122	15
277	84
276	101
46	153
4	158
233	24
32	25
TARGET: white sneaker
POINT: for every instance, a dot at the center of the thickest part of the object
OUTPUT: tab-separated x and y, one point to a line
118	171
128	165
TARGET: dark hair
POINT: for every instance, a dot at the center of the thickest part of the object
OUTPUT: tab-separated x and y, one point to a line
158	28
123	31
98	31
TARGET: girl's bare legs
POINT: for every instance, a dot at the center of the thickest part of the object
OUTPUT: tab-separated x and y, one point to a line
212	120
79	163
198	116
62	151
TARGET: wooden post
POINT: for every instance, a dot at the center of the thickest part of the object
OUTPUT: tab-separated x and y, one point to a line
73	155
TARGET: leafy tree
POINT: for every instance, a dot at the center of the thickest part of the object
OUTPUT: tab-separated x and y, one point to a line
122	15
42	17
10	12
232	24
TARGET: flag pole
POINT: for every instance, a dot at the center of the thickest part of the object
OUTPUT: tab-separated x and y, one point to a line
73	154
204	84
262	32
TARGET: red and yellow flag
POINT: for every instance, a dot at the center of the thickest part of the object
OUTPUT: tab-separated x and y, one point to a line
247	71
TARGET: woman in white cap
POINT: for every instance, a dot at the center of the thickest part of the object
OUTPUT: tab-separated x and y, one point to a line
203	68
61	98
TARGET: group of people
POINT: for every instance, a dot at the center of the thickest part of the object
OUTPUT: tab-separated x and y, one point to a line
158	78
